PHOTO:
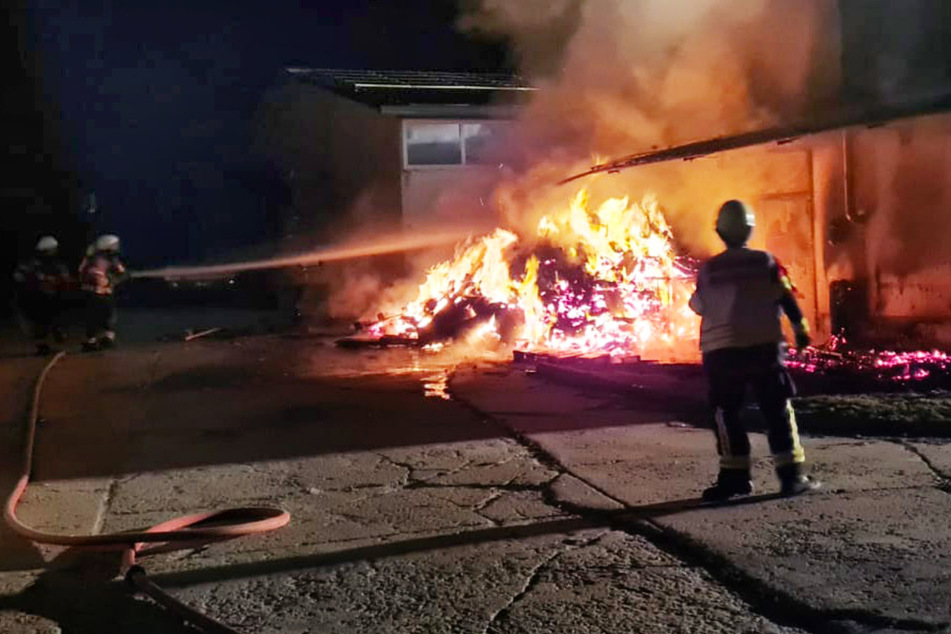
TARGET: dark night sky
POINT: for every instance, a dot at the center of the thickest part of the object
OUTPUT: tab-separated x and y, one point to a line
157	100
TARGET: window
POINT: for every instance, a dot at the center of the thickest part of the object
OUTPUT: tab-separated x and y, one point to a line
478	139
433	144
429	144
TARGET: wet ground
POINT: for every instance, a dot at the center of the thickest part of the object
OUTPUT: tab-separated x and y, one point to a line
433	495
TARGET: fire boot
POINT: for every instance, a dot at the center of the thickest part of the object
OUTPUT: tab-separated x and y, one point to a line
108	340
792	481
730	483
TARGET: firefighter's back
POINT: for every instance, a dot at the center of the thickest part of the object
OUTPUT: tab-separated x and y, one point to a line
741	293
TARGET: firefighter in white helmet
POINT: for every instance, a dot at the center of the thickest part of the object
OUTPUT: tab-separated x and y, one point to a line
99	273
40	283
741	295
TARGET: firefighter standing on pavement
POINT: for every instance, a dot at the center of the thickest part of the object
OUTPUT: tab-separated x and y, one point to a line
741	294
99	273
40	283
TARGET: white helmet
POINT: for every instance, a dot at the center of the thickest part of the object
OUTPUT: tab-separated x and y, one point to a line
47	244
108	243
735	222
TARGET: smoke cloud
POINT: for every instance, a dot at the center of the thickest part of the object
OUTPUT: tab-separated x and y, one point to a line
634	74
631	75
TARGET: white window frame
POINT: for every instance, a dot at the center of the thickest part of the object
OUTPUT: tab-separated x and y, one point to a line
462	141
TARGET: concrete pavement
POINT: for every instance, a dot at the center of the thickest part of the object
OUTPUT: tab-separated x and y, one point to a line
429	496
869	550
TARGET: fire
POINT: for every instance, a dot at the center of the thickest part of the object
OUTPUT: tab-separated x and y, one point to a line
588	281
900	367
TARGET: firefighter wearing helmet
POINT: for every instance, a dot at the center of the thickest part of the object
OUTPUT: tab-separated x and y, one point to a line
101	270
40	283
740	297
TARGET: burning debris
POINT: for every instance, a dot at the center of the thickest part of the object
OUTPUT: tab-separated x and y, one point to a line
840	370
607	280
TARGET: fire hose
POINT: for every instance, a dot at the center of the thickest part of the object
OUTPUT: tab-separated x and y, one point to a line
182	531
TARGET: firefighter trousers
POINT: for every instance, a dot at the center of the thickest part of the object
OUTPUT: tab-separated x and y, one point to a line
100	316
43	314
729	372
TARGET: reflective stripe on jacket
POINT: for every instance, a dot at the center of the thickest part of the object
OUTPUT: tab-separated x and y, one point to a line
740	296
100	273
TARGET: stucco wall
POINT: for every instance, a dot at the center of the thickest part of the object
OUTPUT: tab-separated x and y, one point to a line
447	195
889	224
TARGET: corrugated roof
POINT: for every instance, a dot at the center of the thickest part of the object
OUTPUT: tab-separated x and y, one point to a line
402	87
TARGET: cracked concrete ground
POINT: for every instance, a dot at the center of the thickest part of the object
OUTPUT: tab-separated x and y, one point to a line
868	552
516	506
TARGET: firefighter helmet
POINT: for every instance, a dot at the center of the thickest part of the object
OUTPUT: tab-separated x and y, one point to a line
47	244
735	222
107	243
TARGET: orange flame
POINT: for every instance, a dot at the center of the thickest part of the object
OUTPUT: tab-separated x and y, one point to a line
590	281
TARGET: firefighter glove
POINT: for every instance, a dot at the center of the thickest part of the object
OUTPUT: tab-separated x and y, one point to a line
801	331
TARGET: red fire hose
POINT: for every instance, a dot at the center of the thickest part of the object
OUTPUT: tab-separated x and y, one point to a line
182	531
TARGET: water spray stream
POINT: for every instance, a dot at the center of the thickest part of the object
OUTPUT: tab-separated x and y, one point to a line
380	246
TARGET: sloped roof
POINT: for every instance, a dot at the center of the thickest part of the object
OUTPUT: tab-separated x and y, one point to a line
412	87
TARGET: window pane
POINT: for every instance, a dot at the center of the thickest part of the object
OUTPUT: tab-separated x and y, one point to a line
481	141
433	144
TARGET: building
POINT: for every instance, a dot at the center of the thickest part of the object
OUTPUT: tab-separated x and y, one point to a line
387	148
371	151
855	204
856	201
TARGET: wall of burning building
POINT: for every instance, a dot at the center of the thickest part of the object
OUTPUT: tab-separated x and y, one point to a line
888	230
881	195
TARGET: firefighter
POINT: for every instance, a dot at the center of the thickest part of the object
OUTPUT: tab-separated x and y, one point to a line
99	273
740	296
40	284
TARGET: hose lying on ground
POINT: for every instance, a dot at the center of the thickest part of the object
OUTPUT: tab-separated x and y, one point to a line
181	531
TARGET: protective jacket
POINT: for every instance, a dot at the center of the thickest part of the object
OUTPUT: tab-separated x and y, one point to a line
46	276
99	273
740	295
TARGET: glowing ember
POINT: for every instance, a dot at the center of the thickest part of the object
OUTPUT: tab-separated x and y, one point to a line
900	367
589	281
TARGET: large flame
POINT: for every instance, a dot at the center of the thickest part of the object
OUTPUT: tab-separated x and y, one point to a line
590	281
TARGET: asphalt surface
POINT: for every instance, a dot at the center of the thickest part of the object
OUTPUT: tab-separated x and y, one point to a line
433	495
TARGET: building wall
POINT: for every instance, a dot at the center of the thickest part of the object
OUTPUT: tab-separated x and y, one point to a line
785	225
441	195
886	199
343	161
458	189
829	200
